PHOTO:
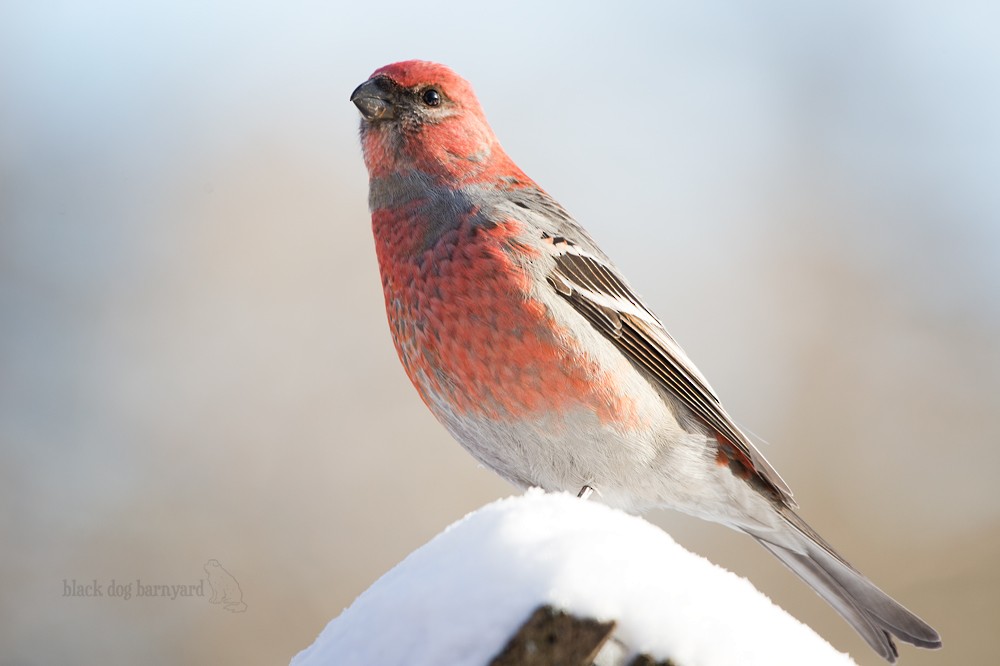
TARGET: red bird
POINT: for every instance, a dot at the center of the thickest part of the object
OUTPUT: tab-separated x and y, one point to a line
533	350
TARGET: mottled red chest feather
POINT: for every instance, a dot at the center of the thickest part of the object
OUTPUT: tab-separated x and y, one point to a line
470	332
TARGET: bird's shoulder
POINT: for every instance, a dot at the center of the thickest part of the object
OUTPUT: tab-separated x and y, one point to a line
546	220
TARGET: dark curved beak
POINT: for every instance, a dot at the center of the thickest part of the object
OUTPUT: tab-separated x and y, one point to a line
373	100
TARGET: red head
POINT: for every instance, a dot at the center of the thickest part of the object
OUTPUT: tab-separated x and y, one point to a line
421	115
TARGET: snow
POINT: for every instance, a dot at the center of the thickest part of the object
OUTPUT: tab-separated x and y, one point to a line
459	598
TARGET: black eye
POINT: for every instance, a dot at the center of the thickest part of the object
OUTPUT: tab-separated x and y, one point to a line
431	97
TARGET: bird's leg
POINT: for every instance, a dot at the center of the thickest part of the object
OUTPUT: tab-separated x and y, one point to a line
585	492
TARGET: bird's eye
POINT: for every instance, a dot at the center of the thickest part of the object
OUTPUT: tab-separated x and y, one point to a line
431	97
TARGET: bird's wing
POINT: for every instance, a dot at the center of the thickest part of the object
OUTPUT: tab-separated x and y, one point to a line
598	292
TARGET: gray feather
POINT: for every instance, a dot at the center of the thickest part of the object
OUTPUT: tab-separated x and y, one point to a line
875	615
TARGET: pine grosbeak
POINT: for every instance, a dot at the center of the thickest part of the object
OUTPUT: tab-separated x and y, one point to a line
537	355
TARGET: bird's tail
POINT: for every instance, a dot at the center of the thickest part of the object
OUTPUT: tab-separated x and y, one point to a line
873	613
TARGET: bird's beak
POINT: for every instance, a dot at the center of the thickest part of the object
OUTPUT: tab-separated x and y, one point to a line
373	99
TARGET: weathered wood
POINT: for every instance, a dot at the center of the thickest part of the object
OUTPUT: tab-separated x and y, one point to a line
646	660
553	638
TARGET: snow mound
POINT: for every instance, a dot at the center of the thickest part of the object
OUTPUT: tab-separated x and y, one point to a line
459	598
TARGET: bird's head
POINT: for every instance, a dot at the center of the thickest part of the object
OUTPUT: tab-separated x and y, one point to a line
422	115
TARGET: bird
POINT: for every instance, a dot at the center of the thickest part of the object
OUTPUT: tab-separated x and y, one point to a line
533	350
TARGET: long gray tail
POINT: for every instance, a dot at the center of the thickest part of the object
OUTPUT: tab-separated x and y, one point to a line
873	613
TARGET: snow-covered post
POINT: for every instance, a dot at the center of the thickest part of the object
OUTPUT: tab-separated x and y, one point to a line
461	598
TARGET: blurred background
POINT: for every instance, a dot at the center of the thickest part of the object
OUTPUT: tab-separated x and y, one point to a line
194	360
